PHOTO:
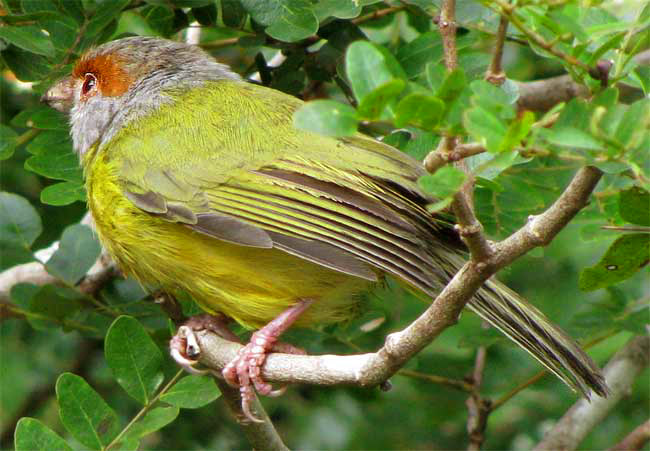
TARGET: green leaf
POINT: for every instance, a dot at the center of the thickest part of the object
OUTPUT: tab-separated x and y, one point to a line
627	255
41	117
375	102
517	131
192	392
642	75
368	67
32	435
20	225
572	137
435	75
485	128
445	182
103	17
286	20
493	99
78	250
452	85
420	54
58	163
26	66
84	413
634	124
342	9
422	110
327	117
634	206
154	420
63	193
53	304
7	142
28	37
134	358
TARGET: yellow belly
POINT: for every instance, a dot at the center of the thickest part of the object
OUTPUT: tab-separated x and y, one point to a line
250	285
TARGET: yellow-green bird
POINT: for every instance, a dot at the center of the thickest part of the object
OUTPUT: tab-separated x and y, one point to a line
199	182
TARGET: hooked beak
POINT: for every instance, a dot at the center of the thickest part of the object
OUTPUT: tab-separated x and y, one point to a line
61	95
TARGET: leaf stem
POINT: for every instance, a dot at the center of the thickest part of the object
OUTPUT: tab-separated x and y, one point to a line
147	407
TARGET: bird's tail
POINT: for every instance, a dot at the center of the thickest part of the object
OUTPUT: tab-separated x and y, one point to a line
529	328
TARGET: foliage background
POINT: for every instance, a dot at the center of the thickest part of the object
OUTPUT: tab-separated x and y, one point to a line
47	331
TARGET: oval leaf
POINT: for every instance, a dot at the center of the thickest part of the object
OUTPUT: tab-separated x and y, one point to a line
368	67
192	392
78	251
32	435
327	117
622	260
134	358
84	413
20	225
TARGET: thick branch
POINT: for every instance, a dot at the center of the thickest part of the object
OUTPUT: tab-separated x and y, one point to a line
542	95
620	373
540	230
260	435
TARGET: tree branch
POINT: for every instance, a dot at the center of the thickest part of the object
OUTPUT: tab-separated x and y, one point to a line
542	95
260	435
635	439
620	373
495	74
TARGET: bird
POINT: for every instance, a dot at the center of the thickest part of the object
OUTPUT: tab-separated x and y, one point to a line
198	182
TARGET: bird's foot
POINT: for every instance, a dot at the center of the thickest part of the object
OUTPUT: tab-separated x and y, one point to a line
244	371
184	346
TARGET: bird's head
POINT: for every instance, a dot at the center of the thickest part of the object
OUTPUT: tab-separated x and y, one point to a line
121	80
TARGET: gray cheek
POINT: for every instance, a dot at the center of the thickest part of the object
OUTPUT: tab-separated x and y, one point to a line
90	122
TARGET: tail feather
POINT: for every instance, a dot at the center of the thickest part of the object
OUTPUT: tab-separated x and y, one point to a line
529	328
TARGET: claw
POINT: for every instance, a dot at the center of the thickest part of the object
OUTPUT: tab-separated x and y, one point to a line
184	349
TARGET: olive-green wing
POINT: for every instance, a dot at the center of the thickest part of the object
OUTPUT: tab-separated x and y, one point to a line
348	219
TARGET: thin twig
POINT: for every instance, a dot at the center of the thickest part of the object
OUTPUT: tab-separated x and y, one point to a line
508	10
495	74
454	383
478	408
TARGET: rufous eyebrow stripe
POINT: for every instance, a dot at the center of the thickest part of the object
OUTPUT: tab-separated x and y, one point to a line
111	77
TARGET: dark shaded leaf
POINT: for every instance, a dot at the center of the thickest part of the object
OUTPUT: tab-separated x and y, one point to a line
634	206
134	358
20	225
78	250
28	37
627	255
84	413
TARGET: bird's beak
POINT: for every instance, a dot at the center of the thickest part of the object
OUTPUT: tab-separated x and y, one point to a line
61	95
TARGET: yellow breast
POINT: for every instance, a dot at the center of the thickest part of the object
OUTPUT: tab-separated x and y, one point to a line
250	285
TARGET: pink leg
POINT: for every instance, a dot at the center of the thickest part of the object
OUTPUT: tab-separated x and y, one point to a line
244	371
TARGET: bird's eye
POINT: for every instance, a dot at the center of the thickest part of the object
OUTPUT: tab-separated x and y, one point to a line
90	81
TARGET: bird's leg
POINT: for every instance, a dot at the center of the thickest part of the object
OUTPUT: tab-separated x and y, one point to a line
184	346
244	370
